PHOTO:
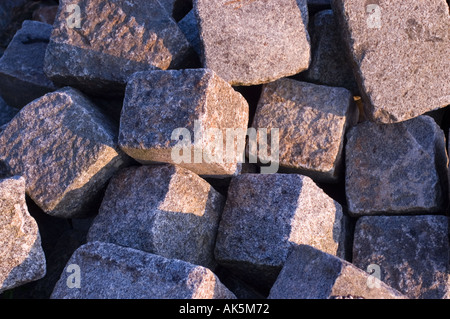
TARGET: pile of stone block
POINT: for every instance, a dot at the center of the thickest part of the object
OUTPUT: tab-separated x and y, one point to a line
223	149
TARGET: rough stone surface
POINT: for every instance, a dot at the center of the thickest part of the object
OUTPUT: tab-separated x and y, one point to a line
110	271
115	39
22	77
312	121
412	252
65	149
396	49
159	102
396	168
189	26
22	259
329	63
309	273
165	210
6	113
251	42
265	214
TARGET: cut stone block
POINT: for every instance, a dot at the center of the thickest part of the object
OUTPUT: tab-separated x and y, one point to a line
390	42
22	259
22	77
312	121
189	26
113	40
253	42
329	63
108	271
309	273
165	210
396	168
265	214
65	149
411	253
183	117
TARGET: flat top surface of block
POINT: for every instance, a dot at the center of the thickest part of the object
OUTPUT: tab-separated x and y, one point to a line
252	42
312	120
113	40
399	50
395	168
21	256
265	215
412	252
165	209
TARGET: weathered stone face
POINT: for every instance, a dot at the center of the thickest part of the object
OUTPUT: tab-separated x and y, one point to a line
22	77
113	40
396	168
22	258
312	121
265	215
329	63
411	252
310	273
390	42
165	210
65	149
193	108
109	271
252	42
